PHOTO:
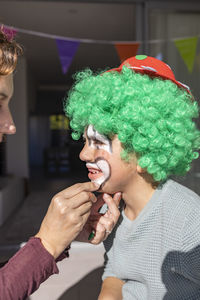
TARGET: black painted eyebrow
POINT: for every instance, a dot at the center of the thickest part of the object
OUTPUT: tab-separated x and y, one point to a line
95	139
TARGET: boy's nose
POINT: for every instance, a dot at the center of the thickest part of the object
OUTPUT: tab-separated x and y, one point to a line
87	154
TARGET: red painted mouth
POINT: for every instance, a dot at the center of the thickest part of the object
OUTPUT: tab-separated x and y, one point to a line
94	173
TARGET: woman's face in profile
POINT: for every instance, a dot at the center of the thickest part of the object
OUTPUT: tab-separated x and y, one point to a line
6	91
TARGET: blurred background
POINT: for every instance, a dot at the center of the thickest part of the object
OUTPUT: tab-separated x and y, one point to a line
60	38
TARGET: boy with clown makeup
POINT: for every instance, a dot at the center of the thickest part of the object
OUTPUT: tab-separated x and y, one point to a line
137	122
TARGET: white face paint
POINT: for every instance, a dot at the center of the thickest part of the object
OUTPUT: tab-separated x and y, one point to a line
99	171
94	137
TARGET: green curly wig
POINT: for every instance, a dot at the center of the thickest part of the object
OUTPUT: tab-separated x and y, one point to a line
152	118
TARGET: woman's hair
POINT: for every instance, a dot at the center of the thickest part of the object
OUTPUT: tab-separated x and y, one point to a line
9	52
152	118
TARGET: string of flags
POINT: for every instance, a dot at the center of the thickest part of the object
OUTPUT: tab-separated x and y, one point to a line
67	47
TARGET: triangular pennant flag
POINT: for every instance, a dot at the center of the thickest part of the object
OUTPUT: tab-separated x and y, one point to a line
159	56
126	50
10	33
66	50
187	49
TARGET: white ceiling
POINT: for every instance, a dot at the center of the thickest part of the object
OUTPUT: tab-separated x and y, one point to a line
77	20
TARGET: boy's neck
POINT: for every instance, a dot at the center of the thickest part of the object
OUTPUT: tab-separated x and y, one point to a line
136	196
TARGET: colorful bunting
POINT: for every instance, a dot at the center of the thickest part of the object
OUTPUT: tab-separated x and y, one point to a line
66	50
126	50
67	47
9	32
187	49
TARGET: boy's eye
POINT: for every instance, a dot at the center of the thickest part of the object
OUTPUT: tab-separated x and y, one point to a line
97	142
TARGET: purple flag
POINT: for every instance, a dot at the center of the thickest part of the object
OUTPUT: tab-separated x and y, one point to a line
66	50
10	33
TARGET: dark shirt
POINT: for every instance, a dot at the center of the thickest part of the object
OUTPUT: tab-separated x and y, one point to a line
26	270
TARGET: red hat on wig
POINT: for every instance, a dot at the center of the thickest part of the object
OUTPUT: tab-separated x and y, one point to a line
151	66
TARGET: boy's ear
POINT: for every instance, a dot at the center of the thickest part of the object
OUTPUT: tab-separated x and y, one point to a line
140	170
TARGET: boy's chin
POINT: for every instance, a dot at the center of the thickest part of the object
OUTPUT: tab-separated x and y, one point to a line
106	188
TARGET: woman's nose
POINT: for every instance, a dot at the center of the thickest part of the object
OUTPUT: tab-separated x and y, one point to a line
87	153
7	125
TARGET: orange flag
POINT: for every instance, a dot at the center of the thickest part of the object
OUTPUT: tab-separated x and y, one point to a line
126	50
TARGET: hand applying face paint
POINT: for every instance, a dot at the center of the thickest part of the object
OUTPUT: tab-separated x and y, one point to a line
66	216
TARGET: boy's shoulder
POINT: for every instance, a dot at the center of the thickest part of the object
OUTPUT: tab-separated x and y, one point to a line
182	195
179	188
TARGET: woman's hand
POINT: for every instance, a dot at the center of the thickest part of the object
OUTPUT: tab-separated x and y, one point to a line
66	216
98	226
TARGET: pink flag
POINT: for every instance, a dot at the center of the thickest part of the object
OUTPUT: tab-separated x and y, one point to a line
66	50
